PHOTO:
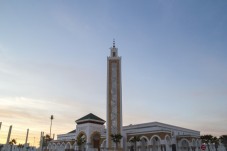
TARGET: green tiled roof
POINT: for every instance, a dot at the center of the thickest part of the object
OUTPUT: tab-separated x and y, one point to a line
90	117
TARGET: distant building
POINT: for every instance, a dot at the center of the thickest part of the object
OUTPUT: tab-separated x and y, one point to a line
153	136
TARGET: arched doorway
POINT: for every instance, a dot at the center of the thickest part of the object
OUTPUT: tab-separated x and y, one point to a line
67	147
95	139
62	147
185	145
144	143
155	141
81	141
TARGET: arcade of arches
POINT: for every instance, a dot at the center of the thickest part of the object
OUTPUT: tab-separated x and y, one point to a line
152	136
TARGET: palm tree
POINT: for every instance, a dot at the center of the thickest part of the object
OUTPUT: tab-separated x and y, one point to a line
46	140
20	146
215	140
11	143
223	139
51	118
116	138
134	140
207	139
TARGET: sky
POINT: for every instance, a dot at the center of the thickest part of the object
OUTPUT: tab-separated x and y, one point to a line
53	61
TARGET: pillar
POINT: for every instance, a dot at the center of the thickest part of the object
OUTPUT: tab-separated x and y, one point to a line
9	134
26	140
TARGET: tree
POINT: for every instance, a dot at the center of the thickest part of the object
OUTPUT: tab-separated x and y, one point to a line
20	146
45	140
11	143
116	138
223	139
134	140
207	139
51	119
215	140
80	141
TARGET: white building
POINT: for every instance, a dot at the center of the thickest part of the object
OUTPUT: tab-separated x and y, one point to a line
153	136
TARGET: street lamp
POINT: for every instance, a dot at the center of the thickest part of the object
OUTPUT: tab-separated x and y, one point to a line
51	118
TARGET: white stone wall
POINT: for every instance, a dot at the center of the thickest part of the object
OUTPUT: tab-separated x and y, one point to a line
89	129
68	136
156	126
15	148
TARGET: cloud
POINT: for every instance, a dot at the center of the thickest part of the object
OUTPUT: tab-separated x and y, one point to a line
24	113
36	112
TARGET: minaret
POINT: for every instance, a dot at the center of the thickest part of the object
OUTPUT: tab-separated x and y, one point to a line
114	105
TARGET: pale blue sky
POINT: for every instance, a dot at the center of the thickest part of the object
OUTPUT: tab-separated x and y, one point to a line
174	62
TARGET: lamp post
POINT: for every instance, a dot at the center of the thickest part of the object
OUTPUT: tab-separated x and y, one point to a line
51	118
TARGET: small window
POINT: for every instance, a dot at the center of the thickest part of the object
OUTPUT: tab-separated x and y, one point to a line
114	54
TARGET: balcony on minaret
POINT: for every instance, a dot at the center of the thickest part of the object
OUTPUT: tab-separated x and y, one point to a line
114	50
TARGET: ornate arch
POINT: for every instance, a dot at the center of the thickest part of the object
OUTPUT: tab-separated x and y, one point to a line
144	142
63	145
130	138
133	145
145	137
184	144
156	138
74	144
95	139
95	133
49	146
53	146
184	140
68	146
82	138
168	140
81	134
103	143
155	142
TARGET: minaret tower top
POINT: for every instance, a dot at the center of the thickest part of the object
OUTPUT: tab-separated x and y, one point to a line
113	52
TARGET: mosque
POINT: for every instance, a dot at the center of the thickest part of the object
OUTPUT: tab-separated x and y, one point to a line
153	136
